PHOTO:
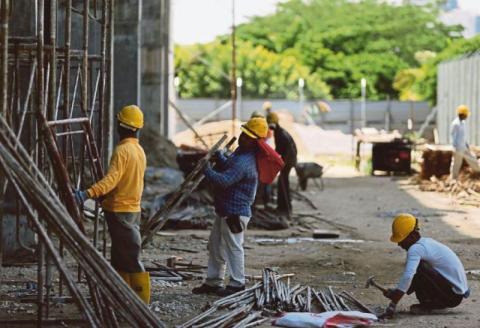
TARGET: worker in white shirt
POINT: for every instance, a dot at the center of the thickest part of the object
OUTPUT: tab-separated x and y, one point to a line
461	151
433	271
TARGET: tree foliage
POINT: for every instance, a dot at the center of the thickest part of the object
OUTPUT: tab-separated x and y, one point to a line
421	82
332	44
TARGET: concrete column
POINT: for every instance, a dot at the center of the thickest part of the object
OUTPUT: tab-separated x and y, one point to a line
156	64
126	54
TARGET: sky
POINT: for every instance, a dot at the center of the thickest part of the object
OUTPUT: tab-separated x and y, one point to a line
199	21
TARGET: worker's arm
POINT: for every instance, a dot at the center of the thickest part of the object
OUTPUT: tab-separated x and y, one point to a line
111	179
414	256
227	178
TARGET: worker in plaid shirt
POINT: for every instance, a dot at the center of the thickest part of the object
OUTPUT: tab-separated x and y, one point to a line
235	181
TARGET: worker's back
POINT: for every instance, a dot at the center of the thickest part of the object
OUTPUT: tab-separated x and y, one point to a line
285	146
128	168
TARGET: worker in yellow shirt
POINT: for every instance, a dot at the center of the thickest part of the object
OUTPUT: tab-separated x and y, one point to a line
122	189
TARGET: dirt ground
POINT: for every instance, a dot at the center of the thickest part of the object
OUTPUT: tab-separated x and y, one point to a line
361	208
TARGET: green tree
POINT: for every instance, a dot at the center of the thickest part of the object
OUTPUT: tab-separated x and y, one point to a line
204	72
421	82
332	44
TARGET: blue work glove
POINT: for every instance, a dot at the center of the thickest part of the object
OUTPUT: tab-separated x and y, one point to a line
80	196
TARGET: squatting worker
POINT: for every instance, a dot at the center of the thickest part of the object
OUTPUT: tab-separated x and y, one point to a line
433	271
122	187
462	151
235	180
285	146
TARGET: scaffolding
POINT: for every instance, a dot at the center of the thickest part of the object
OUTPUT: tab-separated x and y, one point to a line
55	135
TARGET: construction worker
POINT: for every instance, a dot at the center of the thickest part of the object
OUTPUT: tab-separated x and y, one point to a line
235	180
433	271
264	191
267	107
459	142
122	188
285	146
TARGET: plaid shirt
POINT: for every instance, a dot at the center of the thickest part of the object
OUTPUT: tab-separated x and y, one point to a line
235	180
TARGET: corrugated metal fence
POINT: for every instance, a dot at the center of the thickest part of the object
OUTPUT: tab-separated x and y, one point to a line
345	114
459	83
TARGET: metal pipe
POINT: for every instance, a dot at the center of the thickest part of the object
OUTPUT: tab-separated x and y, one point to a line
53	60
4	58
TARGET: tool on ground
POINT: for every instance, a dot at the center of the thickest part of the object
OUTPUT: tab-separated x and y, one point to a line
371	282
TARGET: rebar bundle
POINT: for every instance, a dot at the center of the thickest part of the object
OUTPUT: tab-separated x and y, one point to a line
272	295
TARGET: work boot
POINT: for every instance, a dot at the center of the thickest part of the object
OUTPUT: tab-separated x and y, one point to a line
140	283
229	290
206	289
125	276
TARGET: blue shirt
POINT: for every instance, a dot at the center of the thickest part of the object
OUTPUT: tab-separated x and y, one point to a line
235	180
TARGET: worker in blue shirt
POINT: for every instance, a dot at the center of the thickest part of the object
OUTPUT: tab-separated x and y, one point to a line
235	180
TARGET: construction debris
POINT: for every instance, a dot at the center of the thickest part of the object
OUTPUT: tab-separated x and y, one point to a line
465	190
268	297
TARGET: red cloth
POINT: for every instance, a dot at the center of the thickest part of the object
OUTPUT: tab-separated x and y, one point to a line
269	162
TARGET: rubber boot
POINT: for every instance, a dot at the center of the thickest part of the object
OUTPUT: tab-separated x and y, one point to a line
125	276
140	283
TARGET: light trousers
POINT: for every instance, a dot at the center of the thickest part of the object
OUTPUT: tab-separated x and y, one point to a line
457	160
226	249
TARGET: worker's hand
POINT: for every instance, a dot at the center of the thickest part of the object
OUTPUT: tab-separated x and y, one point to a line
219	153
389	311
80	196
389	293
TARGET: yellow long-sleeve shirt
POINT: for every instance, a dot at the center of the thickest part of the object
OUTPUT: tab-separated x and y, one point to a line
123	183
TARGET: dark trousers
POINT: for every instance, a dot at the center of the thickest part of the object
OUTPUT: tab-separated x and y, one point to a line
126	241
432	289
284	201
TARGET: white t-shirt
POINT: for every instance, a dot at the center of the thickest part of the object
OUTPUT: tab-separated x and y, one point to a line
441	258
458	133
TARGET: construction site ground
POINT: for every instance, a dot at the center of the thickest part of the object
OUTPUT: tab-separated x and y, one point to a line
361	208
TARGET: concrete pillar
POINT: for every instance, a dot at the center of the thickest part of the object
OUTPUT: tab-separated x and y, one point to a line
126	54
156	64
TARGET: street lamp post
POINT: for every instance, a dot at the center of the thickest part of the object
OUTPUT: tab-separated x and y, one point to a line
239	97
301	85
176	84
363	108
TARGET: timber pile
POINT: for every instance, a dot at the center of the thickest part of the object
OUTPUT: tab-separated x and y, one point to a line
436	161
466	190
256	304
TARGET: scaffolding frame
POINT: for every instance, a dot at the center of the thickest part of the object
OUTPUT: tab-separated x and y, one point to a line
50	85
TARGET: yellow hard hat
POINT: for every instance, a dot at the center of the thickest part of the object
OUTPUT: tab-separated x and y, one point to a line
255	128
267	106
463	110
402	226
272	118
131	116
